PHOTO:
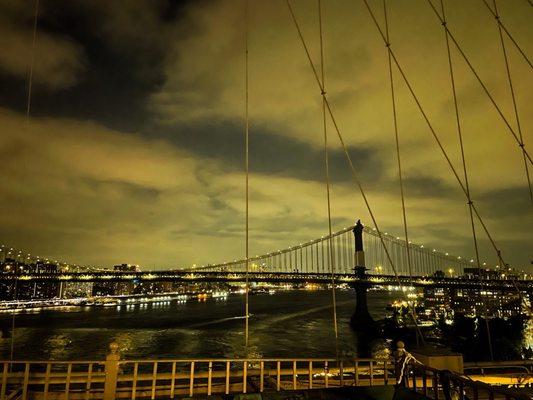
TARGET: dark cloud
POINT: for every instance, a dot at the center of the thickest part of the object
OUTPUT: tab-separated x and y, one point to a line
123	62
135	142
122	189
271	153
507	202
429	186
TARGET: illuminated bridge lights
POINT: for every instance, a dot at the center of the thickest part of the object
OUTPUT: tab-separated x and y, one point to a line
345	279
278	277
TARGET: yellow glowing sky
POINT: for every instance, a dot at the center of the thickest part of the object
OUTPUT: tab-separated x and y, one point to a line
133	152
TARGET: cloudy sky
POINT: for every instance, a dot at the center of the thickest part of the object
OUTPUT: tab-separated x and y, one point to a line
134	148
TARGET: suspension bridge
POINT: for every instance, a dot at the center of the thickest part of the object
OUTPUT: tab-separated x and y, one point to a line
308	263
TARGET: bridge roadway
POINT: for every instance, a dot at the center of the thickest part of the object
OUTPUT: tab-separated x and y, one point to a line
270	277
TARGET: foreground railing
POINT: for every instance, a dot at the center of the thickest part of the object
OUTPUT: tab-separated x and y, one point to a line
115	378
442	384
176	378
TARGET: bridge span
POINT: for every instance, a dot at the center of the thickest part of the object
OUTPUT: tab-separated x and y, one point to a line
307	263
275	278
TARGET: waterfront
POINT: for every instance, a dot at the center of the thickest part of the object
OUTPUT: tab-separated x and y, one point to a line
287	323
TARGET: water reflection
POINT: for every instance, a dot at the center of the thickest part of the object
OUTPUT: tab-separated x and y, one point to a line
57	346
289	323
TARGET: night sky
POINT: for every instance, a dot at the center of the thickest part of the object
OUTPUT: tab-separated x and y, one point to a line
134	149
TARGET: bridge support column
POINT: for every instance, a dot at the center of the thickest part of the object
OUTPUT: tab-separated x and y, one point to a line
361	320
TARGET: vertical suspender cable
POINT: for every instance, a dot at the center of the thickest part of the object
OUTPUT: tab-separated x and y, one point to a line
351	165
513	97
28	108
463	159
326	168
247	170
397	140
396	136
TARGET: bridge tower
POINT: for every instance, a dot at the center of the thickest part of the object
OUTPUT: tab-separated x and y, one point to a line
361	320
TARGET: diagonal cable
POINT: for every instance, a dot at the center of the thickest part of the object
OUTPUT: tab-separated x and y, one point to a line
485	89
437	139
397	138
347	154
513	97
502	27
463	160
397	142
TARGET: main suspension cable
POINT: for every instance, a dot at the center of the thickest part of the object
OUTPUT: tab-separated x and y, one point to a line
247	169
331	259
513	97
489	95
502	26
347	154
397	141
463	160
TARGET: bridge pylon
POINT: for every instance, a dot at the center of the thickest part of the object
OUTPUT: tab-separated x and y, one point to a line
361	319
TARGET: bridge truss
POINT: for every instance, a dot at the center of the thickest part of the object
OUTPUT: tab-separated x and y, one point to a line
312	257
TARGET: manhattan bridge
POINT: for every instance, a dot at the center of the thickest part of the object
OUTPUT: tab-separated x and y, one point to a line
308	263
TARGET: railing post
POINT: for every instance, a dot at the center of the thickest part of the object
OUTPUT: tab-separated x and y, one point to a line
399	357
111	372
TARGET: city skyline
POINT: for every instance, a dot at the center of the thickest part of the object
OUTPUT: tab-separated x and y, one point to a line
133	151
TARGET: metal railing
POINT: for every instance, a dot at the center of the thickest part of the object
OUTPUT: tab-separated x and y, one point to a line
114	378
175	378
482	367
442	384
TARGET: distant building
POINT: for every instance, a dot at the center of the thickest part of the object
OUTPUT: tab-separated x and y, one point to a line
475	302
28	290
125	288
70	290
109	288
491	303
38	290
7	289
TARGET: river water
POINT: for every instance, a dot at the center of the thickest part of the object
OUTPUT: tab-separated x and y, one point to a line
292	323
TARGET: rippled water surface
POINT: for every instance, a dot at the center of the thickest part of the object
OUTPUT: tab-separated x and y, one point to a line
288	323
